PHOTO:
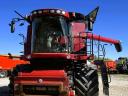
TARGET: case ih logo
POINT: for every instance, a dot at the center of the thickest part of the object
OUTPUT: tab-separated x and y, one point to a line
40	80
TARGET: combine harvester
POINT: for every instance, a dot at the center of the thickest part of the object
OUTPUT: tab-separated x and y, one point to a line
7	62
58	45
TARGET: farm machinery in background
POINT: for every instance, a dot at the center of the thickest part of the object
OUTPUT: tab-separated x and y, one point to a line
111	66
7	62
122	65
117	66
58	45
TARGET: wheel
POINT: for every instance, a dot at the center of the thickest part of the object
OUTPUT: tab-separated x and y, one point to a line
3	74
86	81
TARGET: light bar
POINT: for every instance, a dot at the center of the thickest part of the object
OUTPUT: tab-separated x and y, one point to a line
53	11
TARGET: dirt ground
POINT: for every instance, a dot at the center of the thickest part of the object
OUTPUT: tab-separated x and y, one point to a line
118	85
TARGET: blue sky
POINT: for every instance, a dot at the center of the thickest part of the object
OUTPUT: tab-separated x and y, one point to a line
111	21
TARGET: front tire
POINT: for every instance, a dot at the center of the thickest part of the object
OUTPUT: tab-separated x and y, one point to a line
86	81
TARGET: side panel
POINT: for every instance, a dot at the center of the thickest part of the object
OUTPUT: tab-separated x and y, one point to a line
77	29
42	83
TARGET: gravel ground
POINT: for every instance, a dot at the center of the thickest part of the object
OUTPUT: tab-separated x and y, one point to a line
118	85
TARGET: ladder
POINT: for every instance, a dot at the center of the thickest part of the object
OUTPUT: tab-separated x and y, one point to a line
89	45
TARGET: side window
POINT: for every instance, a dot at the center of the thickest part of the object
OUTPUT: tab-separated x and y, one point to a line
77	28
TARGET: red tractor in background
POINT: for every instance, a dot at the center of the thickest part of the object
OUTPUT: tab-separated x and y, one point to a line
58	45
7	62
111	66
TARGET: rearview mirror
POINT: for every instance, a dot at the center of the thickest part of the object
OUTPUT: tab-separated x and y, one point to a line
118	47
91	18
12	25
90	25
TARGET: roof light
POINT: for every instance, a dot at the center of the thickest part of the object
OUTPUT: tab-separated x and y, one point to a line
45	11
52	11
58	11
34	12
40	12
63	12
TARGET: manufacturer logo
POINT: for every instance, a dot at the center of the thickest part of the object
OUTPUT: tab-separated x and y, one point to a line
40	80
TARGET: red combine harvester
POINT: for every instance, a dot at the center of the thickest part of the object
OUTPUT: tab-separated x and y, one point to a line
7	63
58	48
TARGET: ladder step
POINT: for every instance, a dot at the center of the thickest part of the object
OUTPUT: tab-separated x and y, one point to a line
88	53
101	55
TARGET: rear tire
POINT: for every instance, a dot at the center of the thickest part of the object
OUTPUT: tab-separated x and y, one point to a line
3	73
86	81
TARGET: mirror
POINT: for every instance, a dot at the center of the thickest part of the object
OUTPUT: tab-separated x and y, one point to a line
12	25
90	25
118	47
91	17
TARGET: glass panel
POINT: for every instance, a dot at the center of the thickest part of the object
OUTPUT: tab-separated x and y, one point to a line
49	34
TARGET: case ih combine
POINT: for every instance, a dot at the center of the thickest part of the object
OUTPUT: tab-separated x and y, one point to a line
58	46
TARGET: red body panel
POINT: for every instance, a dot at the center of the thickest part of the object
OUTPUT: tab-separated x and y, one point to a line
7	63
78	43
64	56
43	73
46	75
53	55
44	78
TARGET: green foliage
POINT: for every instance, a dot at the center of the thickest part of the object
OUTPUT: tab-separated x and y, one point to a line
99	58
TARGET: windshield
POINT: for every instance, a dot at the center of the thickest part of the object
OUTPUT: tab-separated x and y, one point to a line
49	34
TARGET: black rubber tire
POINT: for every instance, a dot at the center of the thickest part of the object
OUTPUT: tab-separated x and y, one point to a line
86	81
3	74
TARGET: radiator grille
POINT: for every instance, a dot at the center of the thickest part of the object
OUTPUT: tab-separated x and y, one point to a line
40	90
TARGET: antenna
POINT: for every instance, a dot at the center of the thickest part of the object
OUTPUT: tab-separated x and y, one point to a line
24	18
